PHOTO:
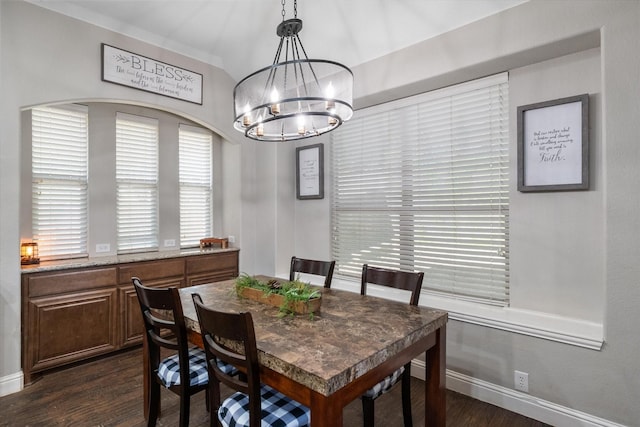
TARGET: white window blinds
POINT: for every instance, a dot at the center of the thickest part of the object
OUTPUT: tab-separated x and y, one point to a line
195	185
422	184
59	186
137	183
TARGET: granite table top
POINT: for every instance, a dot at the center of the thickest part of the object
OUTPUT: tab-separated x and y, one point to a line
351	334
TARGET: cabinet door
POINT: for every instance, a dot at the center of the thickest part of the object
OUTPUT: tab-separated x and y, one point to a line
71	327
212	268
130	315
153	272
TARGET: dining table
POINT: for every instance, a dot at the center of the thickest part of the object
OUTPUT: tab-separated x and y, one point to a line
328	359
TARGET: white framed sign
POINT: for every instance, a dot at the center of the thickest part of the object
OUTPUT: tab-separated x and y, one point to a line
130	69
553	145
310	172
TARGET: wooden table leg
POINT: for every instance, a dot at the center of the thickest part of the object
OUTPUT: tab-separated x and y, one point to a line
325	411
436	381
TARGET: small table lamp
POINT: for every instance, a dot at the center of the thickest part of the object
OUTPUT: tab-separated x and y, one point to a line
29	253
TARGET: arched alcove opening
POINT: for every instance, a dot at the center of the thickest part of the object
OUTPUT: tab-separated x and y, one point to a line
101	176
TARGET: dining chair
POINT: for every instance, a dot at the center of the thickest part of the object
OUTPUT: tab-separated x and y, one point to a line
230	338
409	281
310	266
185	371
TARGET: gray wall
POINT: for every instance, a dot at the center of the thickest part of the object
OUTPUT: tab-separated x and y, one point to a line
586	240
573	255
49	58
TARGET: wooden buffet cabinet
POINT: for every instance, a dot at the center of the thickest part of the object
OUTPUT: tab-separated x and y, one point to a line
71	313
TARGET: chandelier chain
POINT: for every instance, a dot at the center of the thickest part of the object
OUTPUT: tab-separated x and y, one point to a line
295	9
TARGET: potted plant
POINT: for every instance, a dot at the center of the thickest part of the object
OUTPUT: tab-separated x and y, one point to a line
291	297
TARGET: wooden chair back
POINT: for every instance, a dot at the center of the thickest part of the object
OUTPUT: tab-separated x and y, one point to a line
164	328
163	323
230	337
408	281
309	266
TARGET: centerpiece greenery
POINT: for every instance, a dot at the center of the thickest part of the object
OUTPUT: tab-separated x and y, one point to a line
291	297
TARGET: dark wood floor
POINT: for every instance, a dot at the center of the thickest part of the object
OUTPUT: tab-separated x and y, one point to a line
108	392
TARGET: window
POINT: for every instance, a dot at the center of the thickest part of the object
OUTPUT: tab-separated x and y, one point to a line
195	185
59	180
137	183
422	184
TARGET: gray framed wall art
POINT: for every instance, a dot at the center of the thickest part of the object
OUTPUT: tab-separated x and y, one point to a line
553	145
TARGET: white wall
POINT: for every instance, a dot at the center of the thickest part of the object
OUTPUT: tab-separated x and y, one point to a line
573	255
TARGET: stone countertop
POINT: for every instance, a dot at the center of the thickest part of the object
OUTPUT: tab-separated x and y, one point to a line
351	335
117	259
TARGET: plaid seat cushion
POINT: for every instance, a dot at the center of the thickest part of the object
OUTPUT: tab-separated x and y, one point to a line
226	368
384	385
277	410
169	369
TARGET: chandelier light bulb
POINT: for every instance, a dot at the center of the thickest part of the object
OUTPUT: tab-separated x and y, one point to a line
330	104
246	119
275	107
260	127
301	124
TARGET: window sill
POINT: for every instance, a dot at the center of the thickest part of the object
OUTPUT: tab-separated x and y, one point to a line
537	324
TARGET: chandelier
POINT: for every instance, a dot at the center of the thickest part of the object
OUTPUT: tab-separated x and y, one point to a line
295	97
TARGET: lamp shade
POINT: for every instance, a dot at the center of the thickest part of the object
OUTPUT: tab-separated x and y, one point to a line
29	253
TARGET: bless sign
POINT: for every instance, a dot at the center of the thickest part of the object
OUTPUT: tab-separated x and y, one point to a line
139	72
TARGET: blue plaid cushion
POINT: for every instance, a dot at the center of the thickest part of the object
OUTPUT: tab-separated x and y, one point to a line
169	369
226	368
384	385
277	410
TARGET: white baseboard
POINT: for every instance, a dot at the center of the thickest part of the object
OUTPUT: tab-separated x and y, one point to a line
11	383
515	401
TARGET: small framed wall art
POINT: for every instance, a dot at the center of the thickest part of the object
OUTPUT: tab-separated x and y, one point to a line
310	172
553	145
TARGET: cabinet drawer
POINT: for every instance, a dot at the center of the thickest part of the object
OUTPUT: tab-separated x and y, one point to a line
70	281
213	262
151	270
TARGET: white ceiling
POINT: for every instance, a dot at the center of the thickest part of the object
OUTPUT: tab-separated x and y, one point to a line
240	35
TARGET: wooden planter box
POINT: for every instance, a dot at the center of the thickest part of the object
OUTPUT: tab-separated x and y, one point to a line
300	307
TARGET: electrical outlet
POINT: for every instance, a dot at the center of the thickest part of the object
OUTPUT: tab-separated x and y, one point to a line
232	239
103	247
169	243
521	380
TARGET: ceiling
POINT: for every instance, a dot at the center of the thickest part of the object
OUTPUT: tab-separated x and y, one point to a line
239	36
